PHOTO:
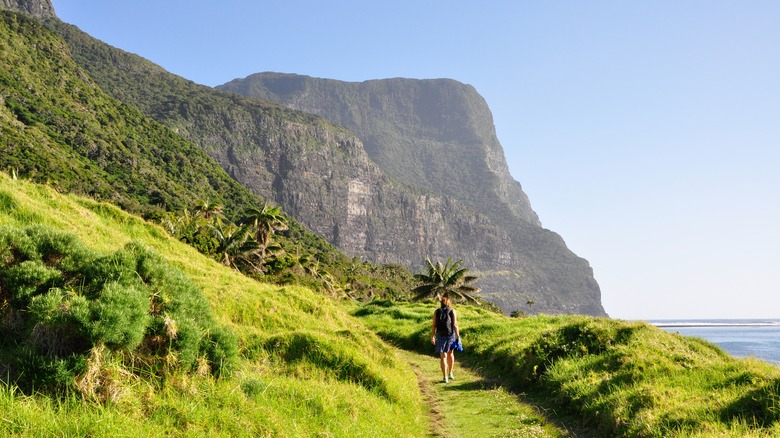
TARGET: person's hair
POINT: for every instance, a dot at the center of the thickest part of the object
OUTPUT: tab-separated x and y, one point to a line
445	300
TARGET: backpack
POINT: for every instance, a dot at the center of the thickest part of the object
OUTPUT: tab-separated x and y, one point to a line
444	321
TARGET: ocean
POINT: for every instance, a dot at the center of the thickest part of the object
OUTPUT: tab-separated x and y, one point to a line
758	338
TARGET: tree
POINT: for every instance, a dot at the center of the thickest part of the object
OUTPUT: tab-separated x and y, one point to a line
207	209
234	247
447	279
265	221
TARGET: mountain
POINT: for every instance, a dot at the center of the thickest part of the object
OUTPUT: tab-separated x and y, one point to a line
438	136
321	174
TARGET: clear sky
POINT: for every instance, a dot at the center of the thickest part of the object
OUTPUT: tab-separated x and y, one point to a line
647	134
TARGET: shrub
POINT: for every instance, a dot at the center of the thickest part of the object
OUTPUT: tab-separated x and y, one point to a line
7	202
58	320
59	301
27	279
120	316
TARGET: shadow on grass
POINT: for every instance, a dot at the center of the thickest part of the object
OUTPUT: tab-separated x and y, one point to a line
546	405
477	385
760	407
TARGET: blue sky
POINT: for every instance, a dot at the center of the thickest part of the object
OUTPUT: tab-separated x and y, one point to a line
645	133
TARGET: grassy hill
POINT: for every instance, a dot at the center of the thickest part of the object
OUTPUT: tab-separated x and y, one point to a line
304	366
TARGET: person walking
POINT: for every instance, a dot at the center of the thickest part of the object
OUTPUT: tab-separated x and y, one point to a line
444	334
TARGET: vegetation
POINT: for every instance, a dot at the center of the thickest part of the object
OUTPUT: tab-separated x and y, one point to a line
445	279
58	127
265	222
66	311
255	248
620	378
302	365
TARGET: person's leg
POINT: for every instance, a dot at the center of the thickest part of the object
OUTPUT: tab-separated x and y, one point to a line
442	360
450	362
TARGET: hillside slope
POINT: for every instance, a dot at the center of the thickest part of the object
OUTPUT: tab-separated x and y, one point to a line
59	127
306	368
321	175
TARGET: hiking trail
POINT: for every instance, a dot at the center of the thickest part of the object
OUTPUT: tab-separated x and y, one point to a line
471	406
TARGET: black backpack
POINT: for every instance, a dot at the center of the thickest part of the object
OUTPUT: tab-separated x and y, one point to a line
444	321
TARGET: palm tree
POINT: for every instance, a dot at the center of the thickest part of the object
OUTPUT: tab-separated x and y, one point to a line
447	279
234	247
265	222
207	209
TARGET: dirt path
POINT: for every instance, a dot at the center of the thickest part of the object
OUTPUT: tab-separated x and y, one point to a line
470	406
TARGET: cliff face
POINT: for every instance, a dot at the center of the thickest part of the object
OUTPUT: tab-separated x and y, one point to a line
35	8
438	136
322	175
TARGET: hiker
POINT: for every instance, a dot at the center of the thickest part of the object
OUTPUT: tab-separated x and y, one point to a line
444	334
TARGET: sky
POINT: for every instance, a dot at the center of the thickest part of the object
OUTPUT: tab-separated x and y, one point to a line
646	134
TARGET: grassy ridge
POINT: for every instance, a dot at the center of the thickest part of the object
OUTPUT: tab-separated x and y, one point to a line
622	378
305	366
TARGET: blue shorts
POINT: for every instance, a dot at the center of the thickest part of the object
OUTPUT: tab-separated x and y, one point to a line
444	343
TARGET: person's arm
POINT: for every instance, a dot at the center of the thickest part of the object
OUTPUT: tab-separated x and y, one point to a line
455	324
433	328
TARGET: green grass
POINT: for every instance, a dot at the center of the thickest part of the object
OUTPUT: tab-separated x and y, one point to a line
619	378
305	367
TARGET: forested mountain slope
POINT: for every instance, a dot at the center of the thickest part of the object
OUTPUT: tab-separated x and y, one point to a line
59	127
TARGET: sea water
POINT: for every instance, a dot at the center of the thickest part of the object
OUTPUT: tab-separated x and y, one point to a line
759	338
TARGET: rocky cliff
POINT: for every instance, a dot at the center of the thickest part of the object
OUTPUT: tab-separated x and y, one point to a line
437	135
35	8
